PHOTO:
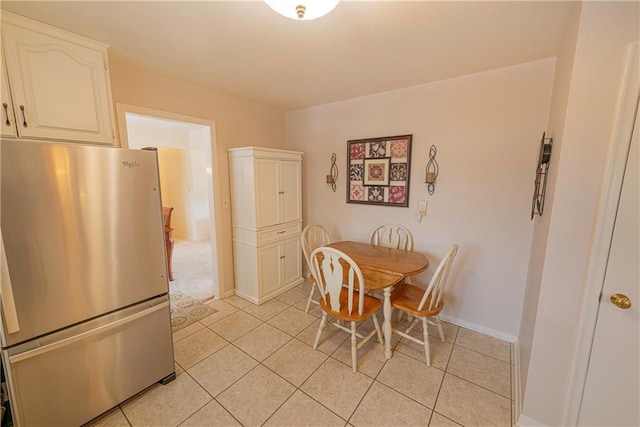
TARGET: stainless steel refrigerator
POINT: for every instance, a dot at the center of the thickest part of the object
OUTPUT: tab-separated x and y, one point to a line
86	319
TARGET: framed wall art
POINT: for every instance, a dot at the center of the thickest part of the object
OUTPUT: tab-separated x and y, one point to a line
379	170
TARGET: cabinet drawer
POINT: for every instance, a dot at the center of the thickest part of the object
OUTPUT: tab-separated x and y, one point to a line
273	234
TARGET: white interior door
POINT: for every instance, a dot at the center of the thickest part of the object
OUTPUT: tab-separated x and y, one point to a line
611	392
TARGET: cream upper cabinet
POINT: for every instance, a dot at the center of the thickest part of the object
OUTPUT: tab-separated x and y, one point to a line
58	81
277	191
8	128
267	184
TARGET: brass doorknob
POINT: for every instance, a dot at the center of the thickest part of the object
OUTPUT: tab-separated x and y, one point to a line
621	301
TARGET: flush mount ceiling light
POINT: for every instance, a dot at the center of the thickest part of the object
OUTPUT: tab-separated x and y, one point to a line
302	10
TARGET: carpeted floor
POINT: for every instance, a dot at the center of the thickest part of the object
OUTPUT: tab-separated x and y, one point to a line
192	269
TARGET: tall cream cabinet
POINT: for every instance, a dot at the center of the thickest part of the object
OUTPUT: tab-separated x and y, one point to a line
55	84
266	197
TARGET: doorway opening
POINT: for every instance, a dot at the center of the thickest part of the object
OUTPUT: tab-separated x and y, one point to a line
186	160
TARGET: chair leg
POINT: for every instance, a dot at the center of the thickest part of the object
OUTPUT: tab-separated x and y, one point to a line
313	288
440	328
400	313
353	348
377	326
425	337
320	329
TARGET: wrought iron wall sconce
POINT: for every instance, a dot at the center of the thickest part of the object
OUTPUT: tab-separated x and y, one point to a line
542	170
331	179
431	170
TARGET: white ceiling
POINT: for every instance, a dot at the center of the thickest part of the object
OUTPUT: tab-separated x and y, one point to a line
244	49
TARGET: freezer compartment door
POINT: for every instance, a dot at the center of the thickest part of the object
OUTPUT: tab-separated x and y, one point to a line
77	375
82	231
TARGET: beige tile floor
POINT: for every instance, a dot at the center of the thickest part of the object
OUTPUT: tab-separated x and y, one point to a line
254	365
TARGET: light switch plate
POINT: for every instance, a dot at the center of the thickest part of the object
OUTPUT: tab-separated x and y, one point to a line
422	207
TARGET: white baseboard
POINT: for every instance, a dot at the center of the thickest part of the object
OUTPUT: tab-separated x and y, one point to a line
229	293
487	331
525	421
478	328
517	379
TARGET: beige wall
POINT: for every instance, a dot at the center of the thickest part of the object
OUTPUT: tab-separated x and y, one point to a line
174	169
175	188
561	85
148	134
238	123
605	30
201	173
487	128
190	219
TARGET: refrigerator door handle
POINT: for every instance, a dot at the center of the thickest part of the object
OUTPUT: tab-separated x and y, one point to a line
67	341
6	293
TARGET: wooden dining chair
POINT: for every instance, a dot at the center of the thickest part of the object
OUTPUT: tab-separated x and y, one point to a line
168	238
342	293
313	236
424	304
392	236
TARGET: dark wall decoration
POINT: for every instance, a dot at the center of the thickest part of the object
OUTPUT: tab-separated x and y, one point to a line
379	170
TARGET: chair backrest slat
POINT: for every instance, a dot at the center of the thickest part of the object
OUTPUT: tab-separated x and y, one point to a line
330	276
313	236
392	236
439	280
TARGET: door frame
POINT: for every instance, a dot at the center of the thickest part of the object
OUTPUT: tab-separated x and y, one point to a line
612	186
123	109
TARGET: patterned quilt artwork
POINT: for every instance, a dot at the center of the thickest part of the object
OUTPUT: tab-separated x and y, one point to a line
379	171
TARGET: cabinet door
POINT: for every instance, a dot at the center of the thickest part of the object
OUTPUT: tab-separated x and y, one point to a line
60	89
290	177
291	268
269	264
8	127
267	192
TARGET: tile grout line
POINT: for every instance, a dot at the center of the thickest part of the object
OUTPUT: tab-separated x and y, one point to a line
213	399
471	382
331	355
294	392
370	385
320	403
259	363
204	389
484	354
435	403
297	388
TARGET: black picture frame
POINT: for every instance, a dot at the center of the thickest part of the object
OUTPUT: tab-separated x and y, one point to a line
379	170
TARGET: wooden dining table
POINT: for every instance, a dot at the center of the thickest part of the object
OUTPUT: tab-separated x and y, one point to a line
383	268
